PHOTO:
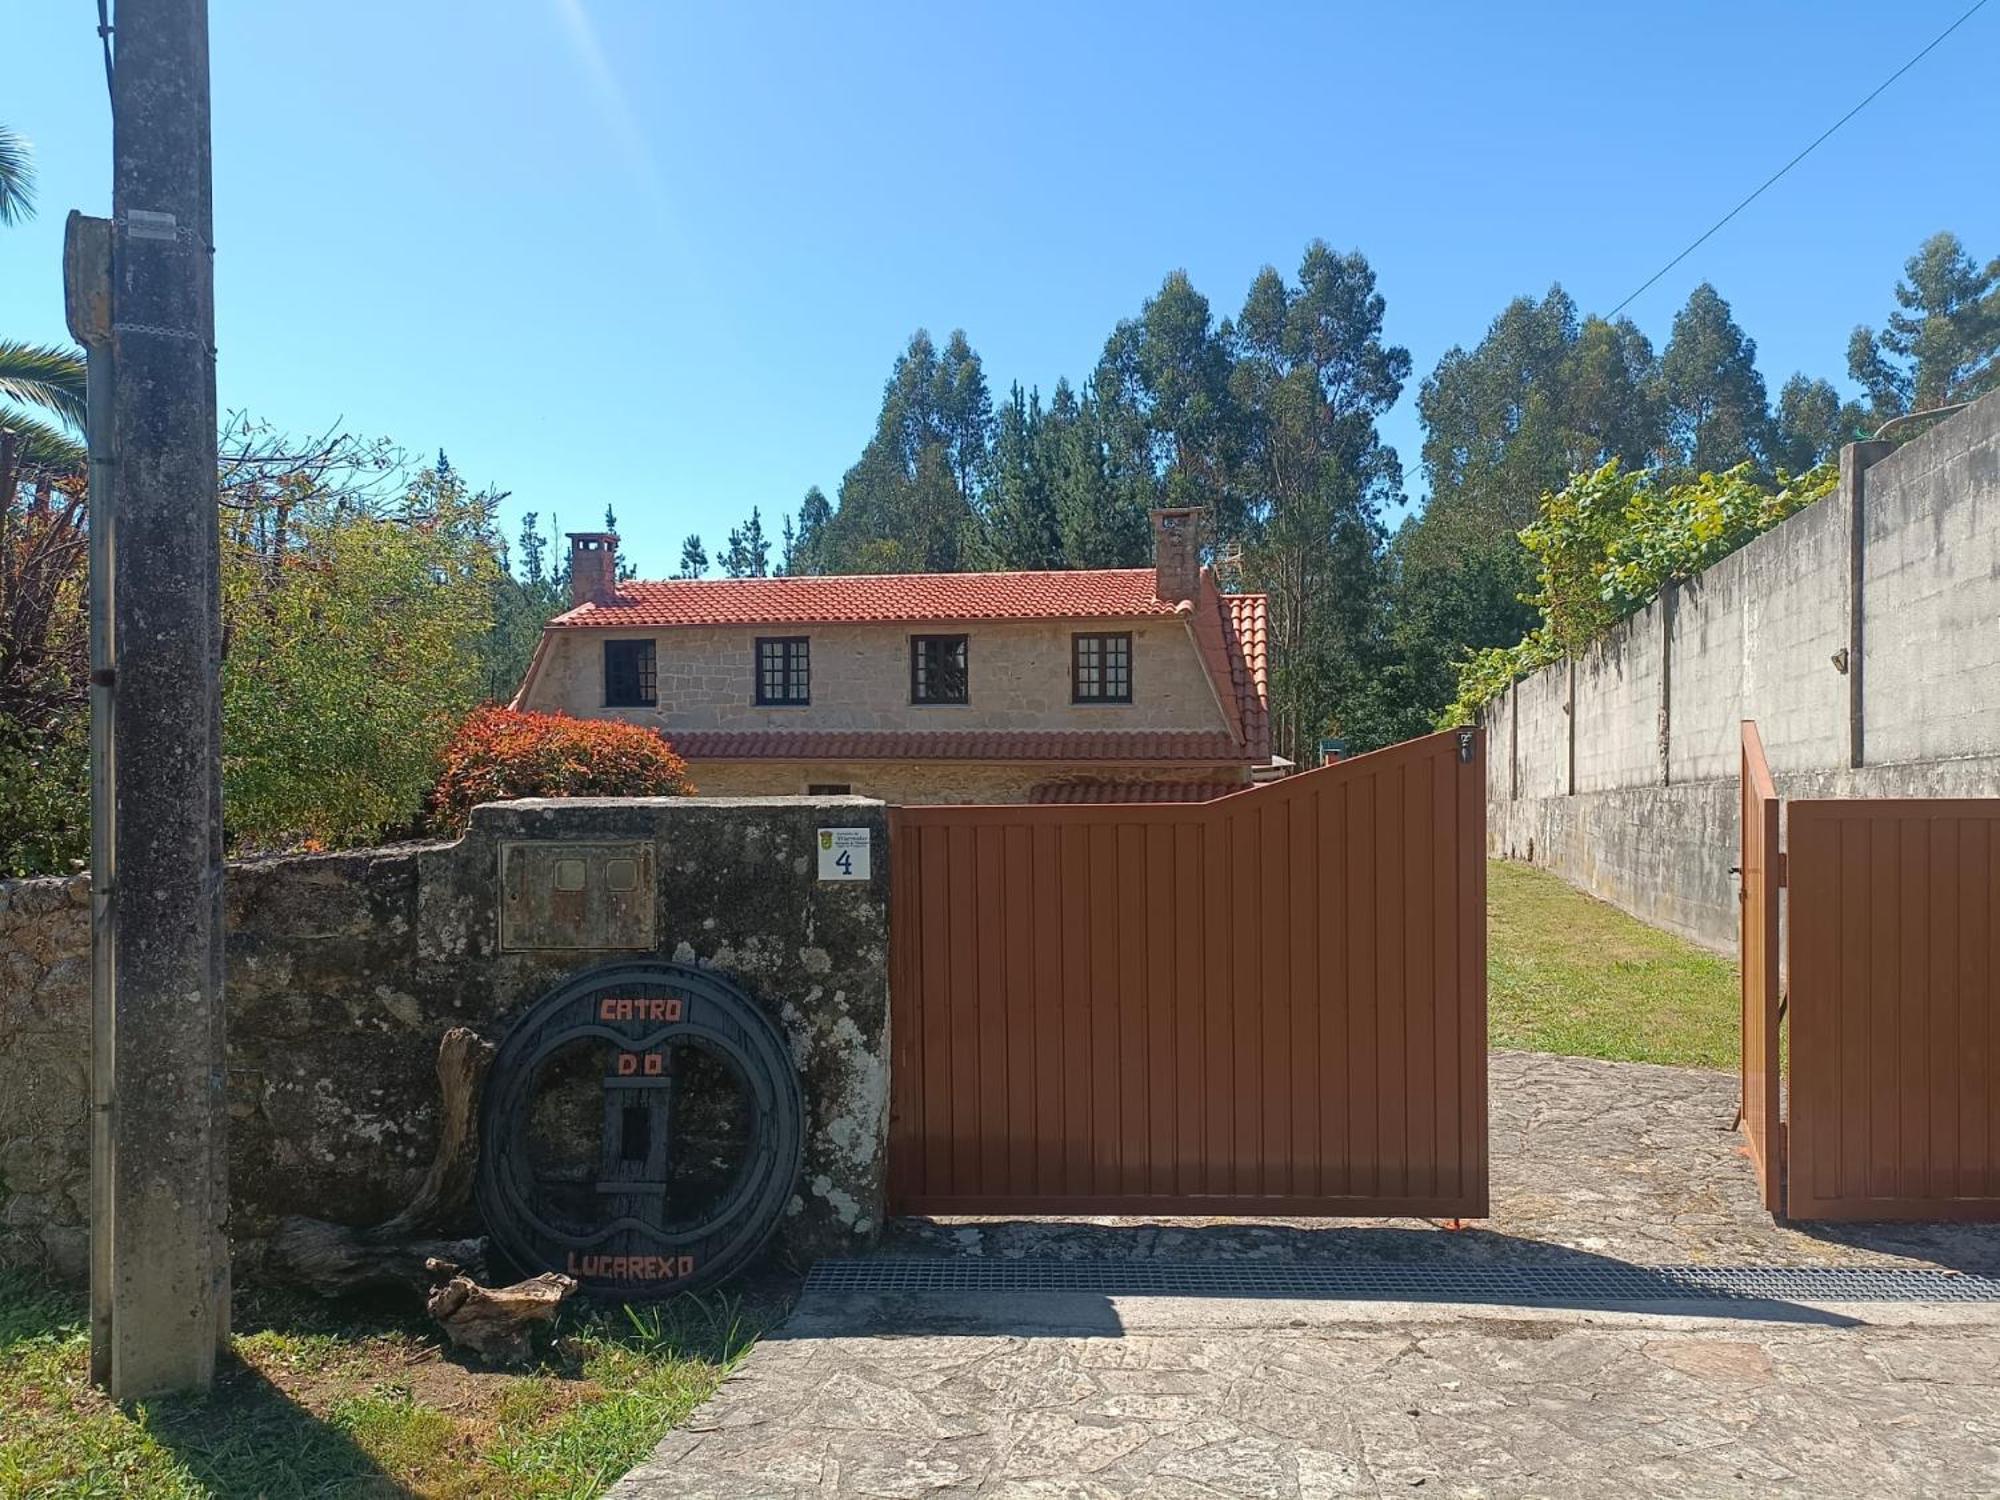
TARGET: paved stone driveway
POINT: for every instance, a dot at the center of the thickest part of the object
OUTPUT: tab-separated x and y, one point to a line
1076	1395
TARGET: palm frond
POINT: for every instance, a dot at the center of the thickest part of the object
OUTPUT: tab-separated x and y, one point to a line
44	375
17	178
42	445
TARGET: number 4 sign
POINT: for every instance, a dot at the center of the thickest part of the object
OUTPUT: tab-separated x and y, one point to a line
843	853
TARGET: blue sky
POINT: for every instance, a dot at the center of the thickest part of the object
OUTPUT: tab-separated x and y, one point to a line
662	255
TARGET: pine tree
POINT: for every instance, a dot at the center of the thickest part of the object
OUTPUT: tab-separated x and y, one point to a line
814	514
1101	522
532	569
748	554
1021	525
622	570
694	557
1943	345
527	594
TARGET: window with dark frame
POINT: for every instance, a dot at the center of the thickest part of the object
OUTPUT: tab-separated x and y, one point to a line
1100	668
938	669
630	675
784	670
829	789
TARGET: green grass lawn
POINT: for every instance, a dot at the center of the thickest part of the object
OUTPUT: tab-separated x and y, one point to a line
321	1400
1567	973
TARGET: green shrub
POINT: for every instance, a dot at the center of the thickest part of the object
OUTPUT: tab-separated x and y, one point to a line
1609	541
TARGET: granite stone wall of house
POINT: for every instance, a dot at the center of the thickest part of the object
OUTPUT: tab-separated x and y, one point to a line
1019	678
345	970
914	782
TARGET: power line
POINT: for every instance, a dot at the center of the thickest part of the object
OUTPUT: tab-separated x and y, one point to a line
1977	6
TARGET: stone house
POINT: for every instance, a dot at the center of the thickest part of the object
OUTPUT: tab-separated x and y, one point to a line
1093	685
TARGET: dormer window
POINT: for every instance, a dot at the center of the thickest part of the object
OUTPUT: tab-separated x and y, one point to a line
630	675
784	670
1100	668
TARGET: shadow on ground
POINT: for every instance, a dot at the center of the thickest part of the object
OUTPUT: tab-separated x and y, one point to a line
1973	1249
992	1271
247	1440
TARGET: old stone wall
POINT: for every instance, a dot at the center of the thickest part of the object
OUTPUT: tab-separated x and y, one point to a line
1019	678
345	970
1862	635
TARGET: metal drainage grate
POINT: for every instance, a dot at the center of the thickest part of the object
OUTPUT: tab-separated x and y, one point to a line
1515	1285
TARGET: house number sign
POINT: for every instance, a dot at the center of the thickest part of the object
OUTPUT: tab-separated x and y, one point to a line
640	1131
843	853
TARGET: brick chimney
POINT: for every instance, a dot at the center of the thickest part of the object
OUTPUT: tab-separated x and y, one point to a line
593	567
1176	553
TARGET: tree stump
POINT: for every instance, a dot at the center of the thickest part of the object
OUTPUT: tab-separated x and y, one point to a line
334	1259
400	1253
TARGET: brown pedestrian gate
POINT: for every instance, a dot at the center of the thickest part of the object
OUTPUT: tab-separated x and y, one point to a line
1892	960
1270	1003
1763	878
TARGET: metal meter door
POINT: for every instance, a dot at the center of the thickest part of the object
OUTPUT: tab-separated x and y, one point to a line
641	1131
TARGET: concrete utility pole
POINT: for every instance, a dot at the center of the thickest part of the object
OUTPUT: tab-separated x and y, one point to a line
160	1260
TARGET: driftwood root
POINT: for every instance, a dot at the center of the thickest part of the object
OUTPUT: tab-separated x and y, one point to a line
406	1253
334	1259
496	1323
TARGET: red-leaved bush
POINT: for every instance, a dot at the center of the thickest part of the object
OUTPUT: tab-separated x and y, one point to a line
499	753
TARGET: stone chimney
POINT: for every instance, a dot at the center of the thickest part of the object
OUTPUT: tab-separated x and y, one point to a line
1176	553
593	567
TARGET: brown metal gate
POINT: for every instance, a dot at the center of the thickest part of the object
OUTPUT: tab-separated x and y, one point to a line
1763	878
1270	1003
1895	1016
1891	1089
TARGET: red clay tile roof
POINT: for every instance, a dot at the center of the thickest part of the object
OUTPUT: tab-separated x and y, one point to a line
1229	630
1136	746
1248	636
876	599
1133	791
1231	635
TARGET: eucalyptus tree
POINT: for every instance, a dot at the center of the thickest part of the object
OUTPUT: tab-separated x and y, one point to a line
1163	389
1810	423
909	503
1717	410
1310	377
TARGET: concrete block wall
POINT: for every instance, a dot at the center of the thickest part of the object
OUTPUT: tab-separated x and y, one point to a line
1541	730
1863	636
1617	707
1930	577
